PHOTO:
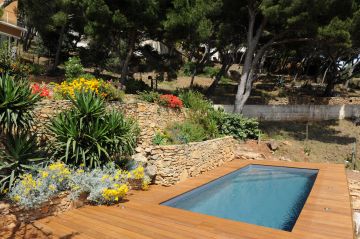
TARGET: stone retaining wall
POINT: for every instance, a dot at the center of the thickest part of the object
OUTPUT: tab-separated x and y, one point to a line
151	117
175	163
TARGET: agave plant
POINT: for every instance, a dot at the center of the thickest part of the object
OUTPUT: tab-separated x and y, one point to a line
16	103
20	154
88	135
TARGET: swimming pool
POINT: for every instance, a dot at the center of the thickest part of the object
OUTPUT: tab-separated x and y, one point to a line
268	196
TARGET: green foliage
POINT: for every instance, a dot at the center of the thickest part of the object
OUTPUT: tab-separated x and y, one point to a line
87	134
149	96
33	189
133	86
194	100
186	132
200	112
36	69
337	33
102	185
16	103
211	71
236	125
189	68
160	139
73	68
19	154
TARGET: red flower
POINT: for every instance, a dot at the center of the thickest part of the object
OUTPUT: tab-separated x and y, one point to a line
171	101
43	91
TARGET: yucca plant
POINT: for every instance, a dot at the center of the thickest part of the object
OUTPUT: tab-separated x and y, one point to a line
88	135
16	103
18	148
20	154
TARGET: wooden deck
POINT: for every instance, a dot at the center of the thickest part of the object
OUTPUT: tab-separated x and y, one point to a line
326	215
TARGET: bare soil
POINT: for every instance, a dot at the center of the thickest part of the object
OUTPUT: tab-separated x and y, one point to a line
327	141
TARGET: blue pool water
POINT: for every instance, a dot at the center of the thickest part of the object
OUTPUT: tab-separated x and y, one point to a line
262	195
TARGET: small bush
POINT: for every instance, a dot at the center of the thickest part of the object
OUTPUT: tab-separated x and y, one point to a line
31	190
149	96
100	87
171	101
237	126
133	86
194	100
36	69
19	154
16	103
186	132
73	68
160	139
103	185
189	68
211	71
87	134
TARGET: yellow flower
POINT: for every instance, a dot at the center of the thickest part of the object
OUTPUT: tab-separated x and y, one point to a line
52	187
110	194
16	198
138	172
44	174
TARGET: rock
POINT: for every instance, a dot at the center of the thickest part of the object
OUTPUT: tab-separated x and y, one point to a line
140	158
357	222
138	149
184	175
273	145
284	159
251	156
151	171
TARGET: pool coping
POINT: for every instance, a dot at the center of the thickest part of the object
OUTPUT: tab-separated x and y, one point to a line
326	214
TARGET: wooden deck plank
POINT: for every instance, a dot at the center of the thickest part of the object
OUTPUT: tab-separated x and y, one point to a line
327	212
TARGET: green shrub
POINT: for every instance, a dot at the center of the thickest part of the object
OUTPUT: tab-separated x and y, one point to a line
20	153
73	68
194	100
149	96
160	139
18	148
237	125
87	134
211	71
186	132
102	185
16	103
36	69
200	112
133	86
189	68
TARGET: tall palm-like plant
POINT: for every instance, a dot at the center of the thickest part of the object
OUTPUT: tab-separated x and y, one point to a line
18	147
88	135
16	104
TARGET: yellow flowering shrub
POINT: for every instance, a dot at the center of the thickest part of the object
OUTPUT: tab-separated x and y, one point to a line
114	194
104	185
98	86
138	173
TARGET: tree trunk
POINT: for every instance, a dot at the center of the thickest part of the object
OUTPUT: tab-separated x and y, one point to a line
26	39
210	91
193	77
252	58
131	47
58	49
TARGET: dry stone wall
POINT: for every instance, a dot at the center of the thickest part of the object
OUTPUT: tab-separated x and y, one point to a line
175	163
150	117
